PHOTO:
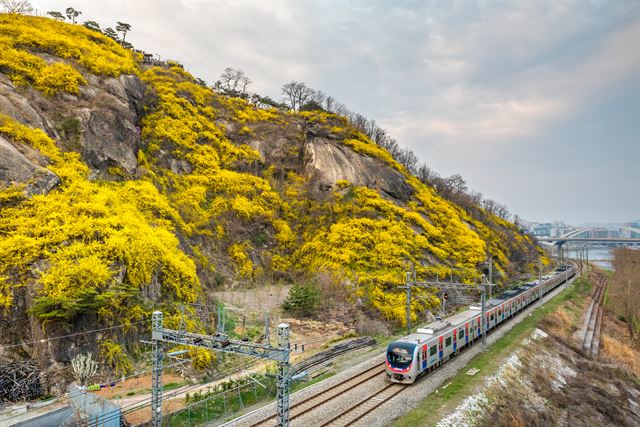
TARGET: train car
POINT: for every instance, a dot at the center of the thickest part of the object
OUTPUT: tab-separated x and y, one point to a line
416	354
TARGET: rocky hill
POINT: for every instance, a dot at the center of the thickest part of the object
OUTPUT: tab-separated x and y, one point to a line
126	188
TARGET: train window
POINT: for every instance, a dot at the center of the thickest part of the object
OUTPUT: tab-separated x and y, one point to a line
461	334
493	316
433	350
448	342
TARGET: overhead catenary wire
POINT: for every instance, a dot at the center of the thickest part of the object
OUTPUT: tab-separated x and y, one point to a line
172	393
43	340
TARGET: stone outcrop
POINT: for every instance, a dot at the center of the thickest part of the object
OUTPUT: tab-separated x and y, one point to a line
100	122
16	168
333	162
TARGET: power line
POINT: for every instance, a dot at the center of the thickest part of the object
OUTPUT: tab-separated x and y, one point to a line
74	334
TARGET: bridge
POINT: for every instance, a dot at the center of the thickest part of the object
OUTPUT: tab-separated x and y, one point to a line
589	235
563	239
584	235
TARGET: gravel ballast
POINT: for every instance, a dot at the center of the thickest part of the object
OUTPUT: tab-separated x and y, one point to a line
395	407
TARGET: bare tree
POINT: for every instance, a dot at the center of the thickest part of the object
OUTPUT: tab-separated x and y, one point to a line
426	175
17	6
329	103
296	94
456	184
489	206
233	82
624	288
408	159
83	367
502	211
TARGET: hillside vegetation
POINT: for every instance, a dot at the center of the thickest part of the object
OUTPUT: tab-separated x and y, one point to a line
212	191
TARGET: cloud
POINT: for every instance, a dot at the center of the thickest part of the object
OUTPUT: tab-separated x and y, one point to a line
471	87
524	104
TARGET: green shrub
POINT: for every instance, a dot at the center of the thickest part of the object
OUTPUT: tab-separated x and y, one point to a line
303	299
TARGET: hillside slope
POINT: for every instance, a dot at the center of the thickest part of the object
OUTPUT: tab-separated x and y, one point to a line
127	188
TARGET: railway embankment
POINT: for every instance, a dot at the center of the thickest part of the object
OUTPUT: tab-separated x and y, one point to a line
541	374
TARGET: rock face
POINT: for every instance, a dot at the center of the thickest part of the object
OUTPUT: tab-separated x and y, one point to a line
16	168
108	139
333	162
101	122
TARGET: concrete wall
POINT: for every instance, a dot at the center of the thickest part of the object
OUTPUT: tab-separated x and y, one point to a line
97	411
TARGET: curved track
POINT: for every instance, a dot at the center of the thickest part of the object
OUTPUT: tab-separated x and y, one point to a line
300	408
357	411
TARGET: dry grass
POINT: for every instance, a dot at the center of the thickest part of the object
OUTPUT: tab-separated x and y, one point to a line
620	352
558	323
615	345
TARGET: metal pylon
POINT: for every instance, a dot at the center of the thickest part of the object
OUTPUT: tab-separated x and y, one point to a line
156	373
283	379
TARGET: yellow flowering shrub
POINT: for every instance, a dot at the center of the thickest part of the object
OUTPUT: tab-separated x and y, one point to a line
98	53
114	356
238	253
100	244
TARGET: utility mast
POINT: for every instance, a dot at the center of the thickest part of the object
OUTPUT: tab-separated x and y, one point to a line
220	342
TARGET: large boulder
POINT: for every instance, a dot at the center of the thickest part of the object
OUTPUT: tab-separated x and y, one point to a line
16	168
100	122
331	162
108	139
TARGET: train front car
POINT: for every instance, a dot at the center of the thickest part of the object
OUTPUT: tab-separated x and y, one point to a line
401	365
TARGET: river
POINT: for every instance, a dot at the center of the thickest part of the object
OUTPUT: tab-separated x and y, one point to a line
600	256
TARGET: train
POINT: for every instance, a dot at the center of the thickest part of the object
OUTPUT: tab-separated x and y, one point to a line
417	354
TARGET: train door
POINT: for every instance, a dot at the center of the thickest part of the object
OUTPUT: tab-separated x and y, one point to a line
455	340
479	325
440	354
424	357
466	333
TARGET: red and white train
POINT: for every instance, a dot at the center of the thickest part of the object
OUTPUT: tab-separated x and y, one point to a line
431	346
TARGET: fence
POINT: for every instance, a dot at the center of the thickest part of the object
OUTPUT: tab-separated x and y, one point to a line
220	404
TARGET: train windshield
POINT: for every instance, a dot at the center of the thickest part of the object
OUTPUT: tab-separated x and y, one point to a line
400	354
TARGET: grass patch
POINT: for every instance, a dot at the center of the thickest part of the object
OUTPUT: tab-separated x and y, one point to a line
170	386
457	388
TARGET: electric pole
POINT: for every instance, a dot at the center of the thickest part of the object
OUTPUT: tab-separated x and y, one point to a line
444	286
539	278
587	249
156	373
483	310
490	273
220	342
407	287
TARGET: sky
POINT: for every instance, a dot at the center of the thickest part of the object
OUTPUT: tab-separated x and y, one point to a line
535	104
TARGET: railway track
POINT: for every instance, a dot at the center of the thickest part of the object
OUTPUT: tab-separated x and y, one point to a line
304	406
354	412
593	320
366	405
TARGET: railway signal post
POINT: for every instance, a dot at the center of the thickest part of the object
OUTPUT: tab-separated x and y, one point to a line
220	342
